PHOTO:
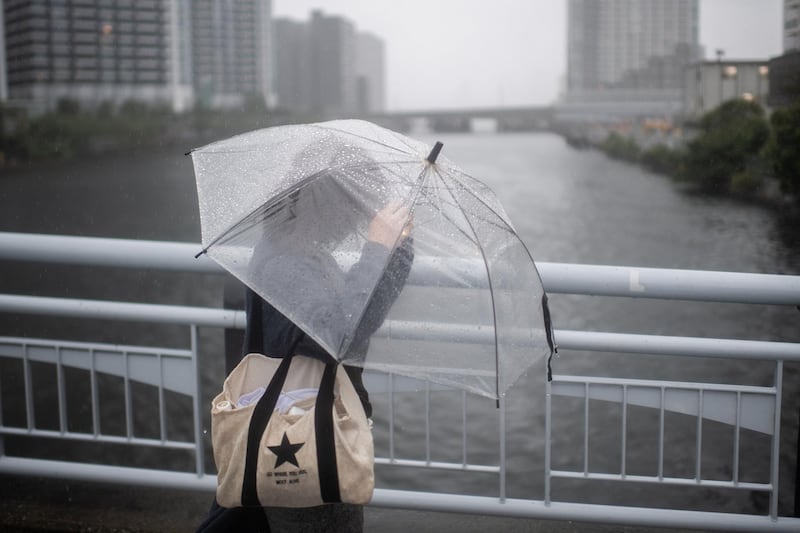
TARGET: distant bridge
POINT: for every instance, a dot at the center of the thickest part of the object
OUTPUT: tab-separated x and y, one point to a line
468	119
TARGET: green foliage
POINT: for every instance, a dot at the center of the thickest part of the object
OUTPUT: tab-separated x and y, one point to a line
731	136
60	134
661	159
67	132
254	104
745	183
70	132
68	107
783	150
619	147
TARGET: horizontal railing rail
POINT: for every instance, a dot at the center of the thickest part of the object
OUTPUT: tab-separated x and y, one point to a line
754	408
557	278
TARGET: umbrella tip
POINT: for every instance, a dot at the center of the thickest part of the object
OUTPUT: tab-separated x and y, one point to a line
434	153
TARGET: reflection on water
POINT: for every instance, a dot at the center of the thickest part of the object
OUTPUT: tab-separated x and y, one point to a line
568	206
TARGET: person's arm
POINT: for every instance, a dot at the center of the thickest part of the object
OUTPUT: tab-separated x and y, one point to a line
391	223
388	289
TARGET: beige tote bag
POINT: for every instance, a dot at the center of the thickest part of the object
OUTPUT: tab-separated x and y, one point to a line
318	450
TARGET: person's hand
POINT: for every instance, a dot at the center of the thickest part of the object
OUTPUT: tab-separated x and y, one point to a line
388	223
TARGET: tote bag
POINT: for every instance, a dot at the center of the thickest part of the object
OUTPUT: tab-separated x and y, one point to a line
319	450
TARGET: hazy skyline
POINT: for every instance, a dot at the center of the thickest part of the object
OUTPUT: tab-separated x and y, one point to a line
474	53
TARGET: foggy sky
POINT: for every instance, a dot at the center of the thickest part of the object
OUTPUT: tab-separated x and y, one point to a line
474	53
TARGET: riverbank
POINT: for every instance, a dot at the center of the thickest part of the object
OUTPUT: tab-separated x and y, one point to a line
734	150
69	133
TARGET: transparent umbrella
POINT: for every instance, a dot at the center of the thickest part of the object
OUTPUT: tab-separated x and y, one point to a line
290	211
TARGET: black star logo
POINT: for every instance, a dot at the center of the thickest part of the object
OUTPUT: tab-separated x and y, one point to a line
286	452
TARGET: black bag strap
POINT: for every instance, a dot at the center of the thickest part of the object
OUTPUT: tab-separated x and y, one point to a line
326	445
326	448
258	424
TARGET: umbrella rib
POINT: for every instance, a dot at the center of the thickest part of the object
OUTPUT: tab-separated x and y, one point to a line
388	257
455	203
521	242
209	148
298	186
477	197
365	138
450	219
403	140
481	200
491	294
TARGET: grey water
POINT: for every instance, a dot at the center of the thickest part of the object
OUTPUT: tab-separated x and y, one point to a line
569	206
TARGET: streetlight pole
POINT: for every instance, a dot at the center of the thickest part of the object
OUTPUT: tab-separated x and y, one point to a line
720	53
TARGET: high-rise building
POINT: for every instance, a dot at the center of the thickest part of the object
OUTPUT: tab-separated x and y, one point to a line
333	64
155	51
231	51
3	81
95	50
292	65
325	67
784	70
791	25
628	56
370	73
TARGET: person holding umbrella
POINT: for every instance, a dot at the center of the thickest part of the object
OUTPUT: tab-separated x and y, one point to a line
314	218
304	218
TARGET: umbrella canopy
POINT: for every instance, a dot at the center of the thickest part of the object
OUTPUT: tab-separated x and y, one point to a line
292	212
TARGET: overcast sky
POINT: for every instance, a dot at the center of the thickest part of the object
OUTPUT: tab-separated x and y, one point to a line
473	53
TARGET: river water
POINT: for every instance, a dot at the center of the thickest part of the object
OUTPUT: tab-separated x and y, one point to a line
568	206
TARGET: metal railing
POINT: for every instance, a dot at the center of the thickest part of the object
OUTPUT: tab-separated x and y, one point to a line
745	408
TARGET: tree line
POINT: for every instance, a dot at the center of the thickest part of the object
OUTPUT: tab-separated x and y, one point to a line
736	149
70	131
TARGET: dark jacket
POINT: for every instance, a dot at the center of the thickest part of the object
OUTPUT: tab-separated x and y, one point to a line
269	332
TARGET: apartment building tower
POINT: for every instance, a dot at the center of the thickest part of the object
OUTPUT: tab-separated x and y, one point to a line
96	50
370	73
231	47
791	25
327	68
168	52
629	55
784	70
292	65
333	64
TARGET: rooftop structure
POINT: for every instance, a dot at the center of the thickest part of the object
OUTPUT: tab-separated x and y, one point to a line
627	57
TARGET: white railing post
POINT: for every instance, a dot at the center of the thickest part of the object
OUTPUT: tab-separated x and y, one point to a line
501	406
2	441
776	443
547	440
200	457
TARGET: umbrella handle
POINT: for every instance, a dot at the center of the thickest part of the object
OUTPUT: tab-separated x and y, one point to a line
434	153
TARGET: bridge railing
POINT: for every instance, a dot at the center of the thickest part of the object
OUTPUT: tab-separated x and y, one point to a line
175	371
